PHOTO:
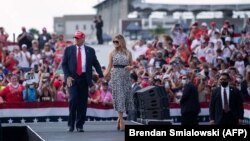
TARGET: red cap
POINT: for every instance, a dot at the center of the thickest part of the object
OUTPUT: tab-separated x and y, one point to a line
145	84
79	35
203	59
57	84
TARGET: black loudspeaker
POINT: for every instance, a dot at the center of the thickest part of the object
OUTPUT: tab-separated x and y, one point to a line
154	121
152	103
151	92
19	133
155	114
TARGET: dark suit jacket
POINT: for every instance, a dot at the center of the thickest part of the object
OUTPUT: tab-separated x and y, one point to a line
190	100
235	104
135	88
69	63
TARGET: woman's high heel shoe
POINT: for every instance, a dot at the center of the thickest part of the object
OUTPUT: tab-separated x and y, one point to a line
122	126
118	124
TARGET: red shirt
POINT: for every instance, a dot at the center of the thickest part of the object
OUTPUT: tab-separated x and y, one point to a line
12	94
10	63
95	94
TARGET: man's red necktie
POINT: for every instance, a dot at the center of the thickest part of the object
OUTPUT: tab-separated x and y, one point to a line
79	62
226	106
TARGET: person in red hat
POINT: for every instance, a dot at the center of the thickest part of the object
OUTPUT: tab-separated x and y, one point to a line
77	64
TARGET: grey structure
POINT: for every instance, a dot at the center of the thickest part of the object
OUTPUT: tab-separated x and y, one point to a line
68	24
114	11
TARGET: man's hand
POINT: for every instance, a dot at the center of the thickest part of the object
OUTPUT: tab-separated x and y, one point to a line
69	81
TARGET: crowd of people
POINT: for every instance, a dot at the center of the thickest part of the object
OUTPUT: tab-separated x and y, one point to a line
198	56
203	53
30	70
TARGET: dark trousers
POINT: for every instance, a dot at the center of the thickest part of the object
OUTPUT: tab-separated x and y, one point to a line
228	119
78	102
99	36
189	119
132	115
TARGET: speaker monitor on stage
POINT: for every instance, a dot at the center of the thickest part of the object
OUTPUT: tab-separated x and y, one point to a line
152	103
155	114
151	92
19	133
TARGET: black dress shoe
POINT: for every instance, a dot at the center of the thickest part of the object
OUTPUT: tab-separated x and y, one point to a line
80	130
70	129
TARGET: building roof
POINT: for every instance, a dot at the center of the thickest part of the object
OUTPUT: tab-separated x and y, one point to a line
142	6
99	4
139	6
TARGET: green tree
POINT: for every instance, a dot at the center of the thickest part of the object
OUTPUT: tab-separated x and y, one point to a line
158	30
35	33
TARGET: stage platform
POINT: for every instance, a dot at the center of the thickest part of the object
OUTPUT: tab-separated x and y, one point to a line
94	131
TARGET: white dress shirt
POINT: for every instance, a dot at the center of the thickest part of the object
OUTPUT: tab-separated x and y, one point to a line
222	95
83	56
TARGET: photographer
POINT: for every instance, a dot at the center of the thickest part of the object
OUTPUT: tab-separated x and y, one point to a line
47	91
179	37
98	25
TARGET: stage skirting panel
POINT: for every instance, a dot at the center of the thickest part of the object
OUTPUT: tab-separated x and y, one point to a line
58	112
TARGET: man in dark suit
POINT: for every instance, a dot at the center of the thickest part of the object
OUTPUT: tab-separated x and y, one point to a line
132	114
226	106
99	24
190	106
77	65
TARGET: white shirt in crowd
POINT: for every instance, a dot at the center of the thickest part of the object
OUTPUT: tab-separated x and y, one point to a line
195	43
22	58
200	51
240	66
24	62
226	52
212	34
35	58
210	55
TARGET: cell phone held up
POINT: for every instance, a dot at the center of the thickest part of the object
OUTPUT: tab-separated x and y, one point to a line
36	68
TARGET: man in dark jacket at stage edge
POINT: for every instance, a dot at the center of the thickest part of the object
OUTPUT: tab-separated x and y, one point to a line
226	107
190	106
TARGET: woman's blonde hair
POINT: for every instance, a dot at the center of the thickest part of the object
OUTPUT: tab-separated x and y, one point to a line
122	42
